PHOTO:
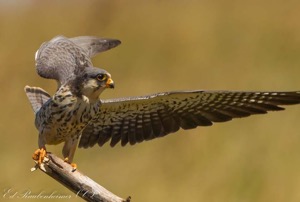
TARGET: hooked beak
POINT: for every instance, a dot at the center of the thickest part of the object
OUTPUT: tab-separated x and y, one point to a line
110	83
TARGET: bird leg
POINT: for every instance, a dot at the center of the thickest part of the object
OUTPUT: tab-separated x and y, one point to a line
69	151
39	155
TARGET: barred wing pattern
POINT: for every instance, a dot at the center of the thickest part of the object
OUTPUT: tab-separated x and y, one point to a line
136	119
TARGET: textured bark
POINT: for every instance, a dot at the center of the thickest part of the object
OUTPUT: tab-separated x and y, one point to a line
75	181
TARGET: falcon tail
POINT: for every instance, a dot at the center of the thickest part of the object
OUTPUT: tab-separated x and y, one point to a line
37	97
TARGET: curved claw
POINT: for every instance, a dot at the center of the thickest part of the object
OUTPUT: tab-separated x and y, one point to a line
74	165
39	155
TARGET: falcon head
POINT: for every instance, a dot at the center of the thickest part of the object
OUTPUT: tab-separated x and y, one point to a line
91	83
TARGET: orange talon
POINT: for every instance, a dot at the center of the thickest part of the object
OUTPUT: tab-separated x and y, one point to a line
39	155
74	165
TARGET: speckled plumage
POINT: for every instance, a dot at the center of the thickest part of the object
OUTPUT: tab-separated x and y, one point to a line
75	112
62	117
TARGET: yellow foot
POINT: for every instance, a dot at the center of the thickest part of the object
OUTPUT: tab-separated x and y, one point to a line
74	166
39	155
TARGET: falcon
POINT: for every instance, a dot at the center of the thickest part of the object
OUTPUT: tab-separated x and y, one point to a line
76	116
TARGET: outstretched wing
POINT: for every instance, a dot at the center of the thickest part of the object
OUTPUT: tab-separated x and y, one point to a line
63	58
137	119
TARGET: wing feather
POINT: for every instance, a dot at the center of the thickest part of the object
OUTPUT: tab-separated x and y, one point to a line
62	58
136	119
94	45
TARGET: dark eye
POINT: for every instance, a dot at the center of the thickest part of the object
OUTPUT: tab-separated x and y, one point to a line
101	77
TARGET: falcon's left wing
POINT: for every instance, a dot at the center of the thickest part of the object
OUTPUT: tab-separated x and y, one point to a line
94	45
137	119
62	58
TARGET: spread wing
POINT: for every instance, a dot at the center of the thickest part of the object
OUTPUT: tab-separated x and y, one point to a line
136	119
62	58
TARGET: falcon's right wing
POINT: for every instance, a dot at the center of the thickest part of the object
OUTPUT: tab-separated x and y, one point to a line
136	119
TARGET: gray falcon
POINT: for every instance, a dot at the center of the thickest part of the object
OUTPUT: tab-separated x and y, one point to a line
77	116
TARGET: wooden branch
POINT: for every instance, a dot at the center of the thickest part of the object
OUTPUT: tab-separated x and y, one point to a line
75	181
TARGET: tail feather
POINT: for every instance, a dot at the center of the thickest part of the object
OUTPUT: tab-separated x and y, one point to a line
37	97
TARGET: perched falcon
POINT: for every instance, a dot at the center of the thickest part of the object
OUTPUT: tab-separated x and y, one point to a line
75	113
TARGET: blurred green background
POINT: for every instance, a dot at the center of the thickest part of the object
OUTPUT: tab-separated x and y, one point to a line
166	45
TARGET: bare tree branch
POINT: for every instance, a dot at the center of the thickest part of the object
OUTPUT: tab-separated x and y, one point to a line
75	181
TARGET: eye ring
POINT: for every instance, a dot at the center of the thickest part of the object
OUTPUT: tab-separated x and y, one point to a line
101	77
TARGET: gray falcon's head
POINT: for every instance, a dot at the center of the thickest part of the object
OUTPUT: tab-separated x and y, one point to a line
91	82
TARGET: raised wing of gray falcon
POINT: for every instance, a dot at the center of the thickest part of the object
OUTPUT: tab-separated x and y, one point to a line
136	119
62	58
